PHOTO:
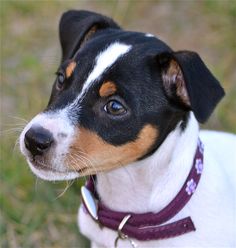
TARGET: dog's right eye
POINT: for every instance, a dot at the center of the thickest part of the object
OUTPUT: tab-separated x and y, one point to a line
60	80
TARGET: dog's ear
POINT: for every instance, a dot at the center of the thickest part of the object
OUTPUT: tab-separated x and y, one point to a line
188	81
76	27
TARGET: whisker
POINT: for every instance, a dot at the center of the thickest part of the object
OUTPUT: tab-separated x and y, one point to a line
11	130
89	159
75	160
19	118
82	159
36	184
84	153
86	156
68	185
79	160
86	159
14	125
17	143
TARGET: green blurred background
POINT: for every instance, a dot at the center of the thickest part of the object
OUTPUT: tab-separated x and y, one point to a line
33	214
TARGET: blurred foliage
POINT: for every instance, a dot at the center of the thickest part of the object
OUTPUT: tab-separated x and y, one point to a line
32	215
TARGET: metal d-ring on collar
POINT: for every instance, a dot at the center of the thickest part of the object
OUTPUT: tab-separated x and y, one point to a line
121	235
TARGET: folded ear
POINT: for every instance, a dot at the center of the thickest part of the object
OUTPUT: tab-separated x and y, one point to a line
188	81
76	27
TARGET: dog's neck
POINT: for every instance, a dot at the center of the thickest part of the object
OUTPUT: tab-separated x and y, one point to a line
150	184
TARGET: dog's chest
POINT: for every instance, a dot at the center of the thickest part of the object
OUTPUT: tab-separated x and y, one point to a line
204	208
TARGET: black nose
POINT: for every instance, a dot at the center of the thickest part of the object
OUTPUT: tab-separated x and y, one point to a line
38	140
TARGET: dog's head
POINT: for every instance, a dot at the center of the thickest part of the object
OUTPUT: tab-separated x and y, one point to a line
116	97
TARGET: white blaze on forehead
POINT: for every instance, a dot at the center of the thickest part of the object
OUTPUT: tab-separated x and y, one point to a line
103	61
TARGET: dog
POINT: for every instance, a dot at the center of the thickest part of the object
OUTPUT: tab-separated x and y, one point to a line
124	110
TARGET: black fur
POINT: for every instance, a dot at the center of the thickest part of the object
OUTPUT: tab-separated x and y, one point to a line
75	24
203	88
138	76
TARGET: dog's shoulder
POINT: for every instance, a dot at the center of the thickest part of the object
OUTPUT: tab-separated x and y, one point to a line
222	147
222	144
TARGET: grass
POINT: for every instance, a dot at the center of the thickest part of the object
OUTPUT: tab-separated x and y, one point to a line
32	215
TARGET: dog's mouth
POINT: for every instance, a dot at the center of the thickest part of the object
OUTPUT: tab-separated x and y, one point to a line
41	165
45	171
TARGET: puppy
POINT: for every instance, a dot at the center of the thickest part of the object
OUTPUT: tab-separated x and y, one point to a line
125	107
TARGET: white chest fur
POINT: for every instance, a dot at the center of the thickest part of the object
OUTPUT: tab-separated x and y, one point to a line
150	184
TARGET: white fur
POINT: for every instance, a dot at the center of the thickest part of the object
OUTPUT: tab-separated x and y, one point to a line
150	184
103	61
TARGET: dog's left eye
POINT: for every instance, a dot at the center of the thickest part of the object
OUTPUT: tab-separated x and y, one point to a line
114	108
60	80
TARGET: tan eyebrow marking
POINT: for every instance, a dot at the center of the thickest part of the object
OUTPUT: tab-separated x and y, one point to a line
70	68
107	89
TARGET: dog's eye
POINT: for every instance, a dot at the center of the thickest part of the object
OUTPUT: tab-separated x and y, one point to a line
115	108
60	80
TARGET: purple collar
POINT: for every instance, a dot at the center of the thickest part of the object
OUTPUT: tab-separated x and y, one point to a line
147	226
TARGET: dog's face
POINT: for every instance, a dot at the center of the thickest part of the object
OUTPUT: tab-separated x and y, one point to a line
116	97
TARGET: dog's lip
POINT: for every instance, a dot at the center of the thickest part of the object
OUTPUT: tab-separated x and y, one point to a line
41	166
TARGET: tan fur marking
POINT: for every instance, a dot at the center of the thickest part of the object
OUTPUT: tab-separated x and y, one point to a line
103	156
70	68
107	89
